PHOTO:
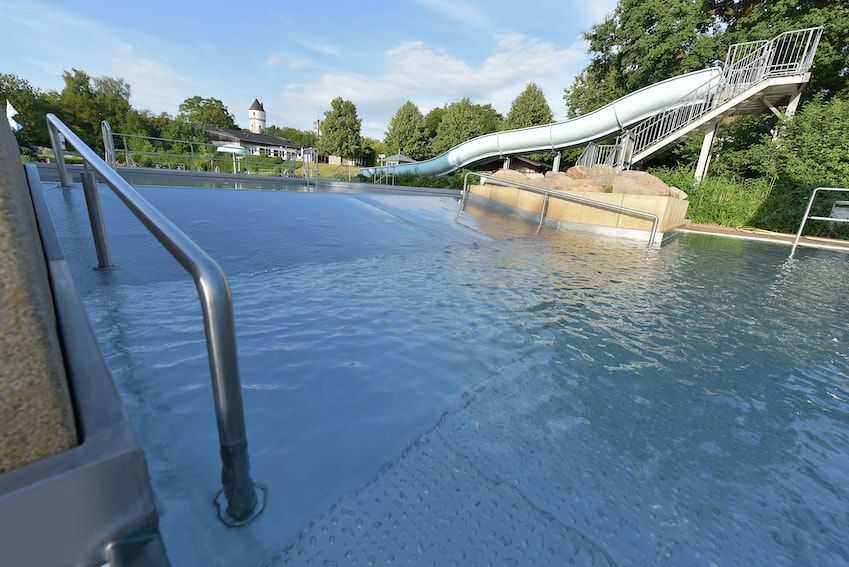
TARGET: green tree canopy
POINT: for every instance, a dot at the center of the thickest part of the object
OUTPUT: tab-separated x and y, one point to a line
646	41
528	109
340	130
407	133
300	138
463	121
432	120
32	106
206	112
640	43
84	102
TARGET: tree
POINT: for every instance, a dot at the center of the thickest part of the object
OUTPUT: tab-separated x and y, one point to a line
340	130
463	121
640	43
432	120
528	109
32	105
207	112
300	138
85	102
407	134
751	20
371	149
646	41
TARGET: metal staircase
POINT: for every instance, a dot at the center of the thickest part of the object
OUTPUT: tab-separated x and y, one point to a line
758	75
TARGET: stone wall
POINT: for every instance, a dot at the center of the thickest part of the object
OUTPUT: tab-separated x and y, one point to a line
36	416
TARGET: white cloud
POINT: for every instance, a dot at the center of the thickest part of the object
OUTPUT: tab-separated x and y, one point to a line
431	77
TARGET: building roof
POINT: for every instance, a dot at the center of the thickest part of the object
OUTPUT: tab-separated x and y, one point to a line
226	135
400	158
257	105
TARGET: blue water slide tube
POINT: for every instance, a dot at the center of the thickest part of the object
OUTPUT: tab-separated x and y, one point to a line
596	125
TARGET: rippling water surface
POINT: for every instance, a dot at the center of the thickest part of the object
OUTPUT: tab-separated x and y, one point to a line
421	392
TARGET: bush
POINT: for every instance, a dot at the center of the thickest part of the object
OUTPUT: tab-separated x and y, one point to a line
719	199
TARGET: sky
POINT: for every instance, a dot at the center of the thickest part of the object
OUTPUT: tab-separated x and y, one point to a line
297	57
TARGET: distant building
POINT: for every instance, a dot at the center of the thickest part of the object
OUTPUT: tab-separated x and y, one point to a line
257	144
256	117
516	163
397	159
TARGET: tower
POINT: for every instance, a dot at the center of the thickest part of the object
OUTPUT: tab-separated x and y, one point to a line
256	117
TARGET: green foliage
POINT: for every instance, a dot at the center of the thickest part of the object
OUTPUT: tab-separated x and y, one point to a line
767	184
340	130
751	20
645	41
32	106
371	149
719	200
814	147
407	133
300	138
432	120
463	121
640	43
206	112
450	181
85	102
528	109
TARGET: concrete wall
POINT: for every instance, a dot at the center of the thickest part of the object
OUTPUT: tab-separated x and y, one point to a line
671	211
36	415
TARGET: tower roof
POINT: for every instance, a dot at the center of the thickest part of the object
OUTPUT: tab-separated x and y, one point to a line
257	105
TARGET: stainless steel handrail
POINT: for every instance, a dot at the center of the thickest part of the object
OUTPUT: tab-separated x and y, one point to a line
808	215
243	503
559	195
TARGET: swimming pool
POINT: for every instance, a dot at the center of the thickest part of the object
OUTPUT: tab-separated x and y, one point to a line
422	392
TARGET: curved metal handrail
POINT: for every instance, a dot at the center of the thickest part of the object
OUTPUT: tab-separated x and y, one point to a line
808	216
217	306
559	195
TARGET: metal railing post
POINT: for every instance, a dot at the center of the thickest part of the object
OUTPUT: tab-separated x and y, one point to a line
108	144
58	155
95	217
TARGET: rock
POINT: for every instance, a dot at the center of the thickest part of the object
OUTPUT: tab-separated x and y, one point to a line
510	175
596	179
563	182
576	172
677	193
639	183
605	174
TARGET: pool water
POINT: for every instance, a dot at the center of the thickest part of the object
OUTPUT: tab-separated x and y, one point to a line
424	392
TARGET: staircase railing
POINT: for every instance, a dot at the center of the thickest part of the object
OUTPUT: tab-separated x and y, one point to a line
746	65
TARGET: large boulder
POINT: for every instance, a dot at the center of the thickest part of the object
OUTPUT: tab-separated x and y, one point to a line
517	176
576	172
604	174
596	179
560	181
639	183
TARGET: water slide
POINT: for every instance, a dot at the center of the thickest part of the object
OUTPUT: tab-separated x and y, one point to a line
596	125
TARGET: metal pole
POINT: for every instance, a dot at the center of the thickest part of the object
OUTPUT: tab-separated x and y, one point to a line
95	217
55	142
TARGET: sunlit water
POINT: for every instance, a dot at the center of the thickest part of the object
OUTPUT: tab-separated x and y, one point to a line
427	393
